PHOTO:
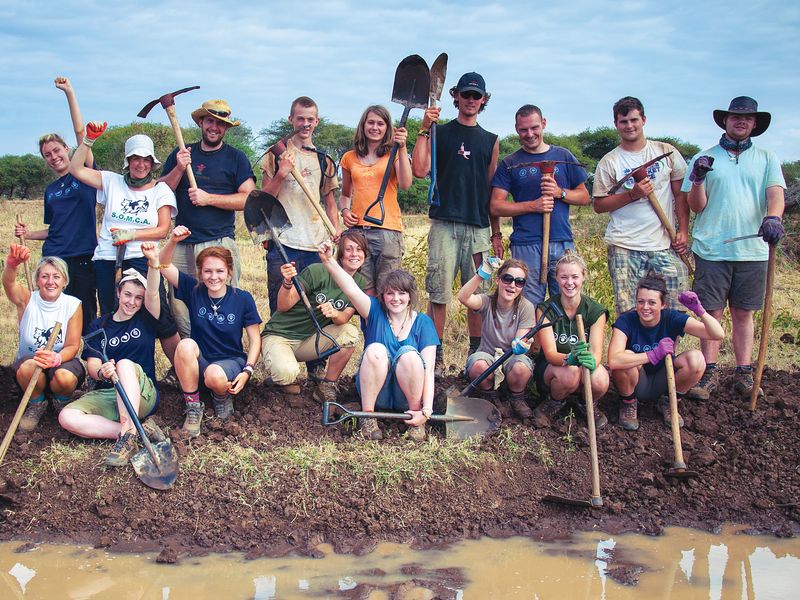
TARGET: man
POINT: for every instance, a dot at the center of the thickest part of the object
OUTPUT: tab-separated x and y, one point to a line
307	232
742	193
224	179
534	196
459	240
637	241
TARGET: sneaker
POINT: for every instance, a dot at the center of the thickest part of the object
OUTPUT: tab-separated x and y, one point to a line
707	385
153	432
170	379
194	416
628	415
33	413
743	383
223	407
316	370
520	406
417	433
666	413
548	409
370	429
325	391
125	447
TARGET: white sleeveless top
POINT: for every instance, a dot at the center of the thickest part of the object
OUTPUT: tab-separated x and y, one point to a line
39	319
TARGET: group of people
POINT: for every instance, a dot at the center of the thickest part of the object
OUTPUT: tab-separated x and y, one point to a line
186	294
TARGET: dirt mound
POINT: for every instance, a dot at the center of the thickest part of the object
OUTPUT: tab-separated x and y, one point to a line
274	480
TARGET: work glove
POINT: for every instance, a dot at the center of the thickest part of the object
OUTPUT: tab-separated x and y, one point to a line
17	254
586	359
771	230
664	347
692	302
122	236
94	129
573	358
700	169
519	346
488	267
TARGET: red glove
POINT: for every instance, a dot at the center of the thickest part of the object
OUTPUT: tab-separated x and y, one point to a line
94	129
17	255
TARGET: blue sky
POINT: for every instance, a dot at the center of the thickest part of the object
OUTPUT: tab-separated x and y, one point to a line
682	59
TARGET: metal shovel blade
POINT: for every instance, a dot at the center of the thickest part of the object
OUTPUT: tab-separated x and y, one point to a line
159	476
412	82
438	73
485	417
262	209
568	501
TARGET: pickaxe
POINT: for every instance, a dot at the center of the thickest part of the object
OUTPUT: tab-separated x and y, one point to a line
168	102
640	173
548	168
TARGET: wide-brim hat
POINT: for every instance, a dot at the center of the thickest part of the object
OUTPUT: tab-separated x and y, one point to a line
744	105
140	145
219	109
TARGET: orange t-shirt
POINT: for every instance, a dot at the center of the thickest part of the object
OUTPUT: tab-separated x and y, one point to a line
366	183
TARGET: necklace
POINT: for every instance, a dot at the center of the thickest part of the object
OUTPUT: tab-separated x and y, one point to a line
216	306
398	331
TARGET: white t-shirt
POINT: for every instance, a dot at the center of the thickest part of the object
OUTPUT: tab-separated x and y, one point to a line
636	226
39	319
129	209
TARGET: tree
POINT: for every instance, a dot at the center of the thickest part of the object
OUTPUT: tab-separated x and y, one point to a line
23	176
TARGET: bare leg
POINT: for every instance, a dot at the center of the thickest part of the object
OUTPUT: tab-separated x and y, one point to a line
186	366
562	381
168	345
689	368
411	377
372	375
337	362
710	348
742	335
517	378
479	367
625	380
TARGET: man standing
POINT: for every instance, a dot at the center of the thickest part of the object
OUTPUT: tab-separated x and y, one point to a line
224	179
459	240
534	196
742	193
307	232
637	241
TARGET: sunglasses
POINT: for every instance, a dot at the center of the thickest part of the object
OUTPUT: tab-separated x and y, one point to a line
517	281
219	113
471	95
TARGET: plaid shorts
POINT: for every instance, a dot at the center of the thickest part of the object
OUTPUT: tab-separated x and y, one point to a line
627	267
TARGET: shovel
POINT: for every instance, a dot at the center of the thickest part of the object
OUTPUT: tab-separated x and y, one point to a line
596	500
678	470
438	72
411	89
156	465
766	318
464	417
264	215
28	278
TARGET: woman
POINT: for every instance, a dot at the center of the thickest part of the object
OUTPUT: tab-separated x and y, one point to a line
137	209
131	334
218	314
507	317
362	172
562	353
396	370
37	314
289	336
69	213
642	338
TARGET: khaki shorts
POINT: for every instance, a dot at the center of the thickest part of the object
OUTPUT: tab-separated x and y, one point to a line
104	402
451	248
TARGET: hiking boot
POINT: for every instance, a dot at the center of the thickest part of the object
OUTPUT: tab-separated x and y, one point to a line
547	411
293	389
33	413
520	406
60	405
666	413
153	431
325	391
707	385
194	416
170	379
743	383
223	407
629	415
417	433
125	447
316	370
370	429
600	419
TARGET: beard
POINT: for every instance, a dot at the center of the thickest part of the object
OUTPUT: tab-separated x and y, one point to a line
210	144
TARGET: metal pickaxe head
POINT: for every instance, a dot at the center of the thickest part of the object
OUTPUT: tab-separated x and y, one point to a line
165	101
548	167
279	147
638	173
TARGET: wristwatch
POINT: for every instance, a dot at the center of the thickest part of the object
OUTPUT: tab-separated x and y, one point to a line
563	194
427	412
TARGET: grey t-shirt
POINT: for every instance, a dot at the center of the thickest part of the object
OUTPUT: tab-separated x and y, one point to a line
500	329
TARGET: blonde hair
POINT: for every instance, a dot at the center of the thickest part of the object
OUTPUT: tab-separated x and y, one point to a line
57	263
570	257
51	137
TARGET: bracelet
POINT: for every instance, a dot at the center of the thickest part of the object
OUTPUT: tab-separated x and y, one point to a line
286	284
160	267
248	369
424	133
497	235
87	142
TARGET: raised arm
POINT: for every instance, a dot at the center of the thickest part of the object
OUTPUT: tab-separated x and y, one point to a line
77	166
360	300
17	294
421	156
402	163
152	301
63	83
168	270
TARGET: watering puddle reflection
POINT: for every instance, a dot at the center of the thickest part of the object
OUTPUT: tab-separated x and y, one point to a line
683	564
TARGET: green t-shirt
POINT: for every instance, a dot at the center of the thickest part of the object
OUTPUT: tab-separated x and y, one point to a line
295	323
565	330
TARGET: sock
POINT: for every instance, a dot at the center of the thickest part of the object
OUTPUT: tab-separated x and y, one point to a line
474	342
711	366
630	398
744	368
37	399
192	396
217	397
62	399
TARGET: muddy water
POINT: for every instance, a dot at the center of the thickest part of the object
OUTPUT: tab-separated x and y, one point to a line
682	564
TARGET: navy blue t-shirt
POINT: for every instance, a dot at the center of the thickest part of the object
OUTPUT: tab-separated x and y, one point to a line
219	172
525	184
134	339
218	332
644	339
69	211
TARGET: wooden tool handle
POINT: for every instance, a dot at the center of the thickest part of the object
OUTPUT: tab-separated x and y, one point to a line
673	408
301	182
23	403
176	129
669	228
25	265
587	395
766	317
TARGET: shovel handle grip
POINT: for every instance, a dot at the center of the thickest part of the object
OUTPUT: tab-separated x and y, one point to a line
668	228
176	130
347	413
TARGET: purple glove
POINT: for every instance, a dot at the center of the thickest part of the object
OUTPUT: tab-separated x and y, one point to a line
664	347
771	230
700	168
692	302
